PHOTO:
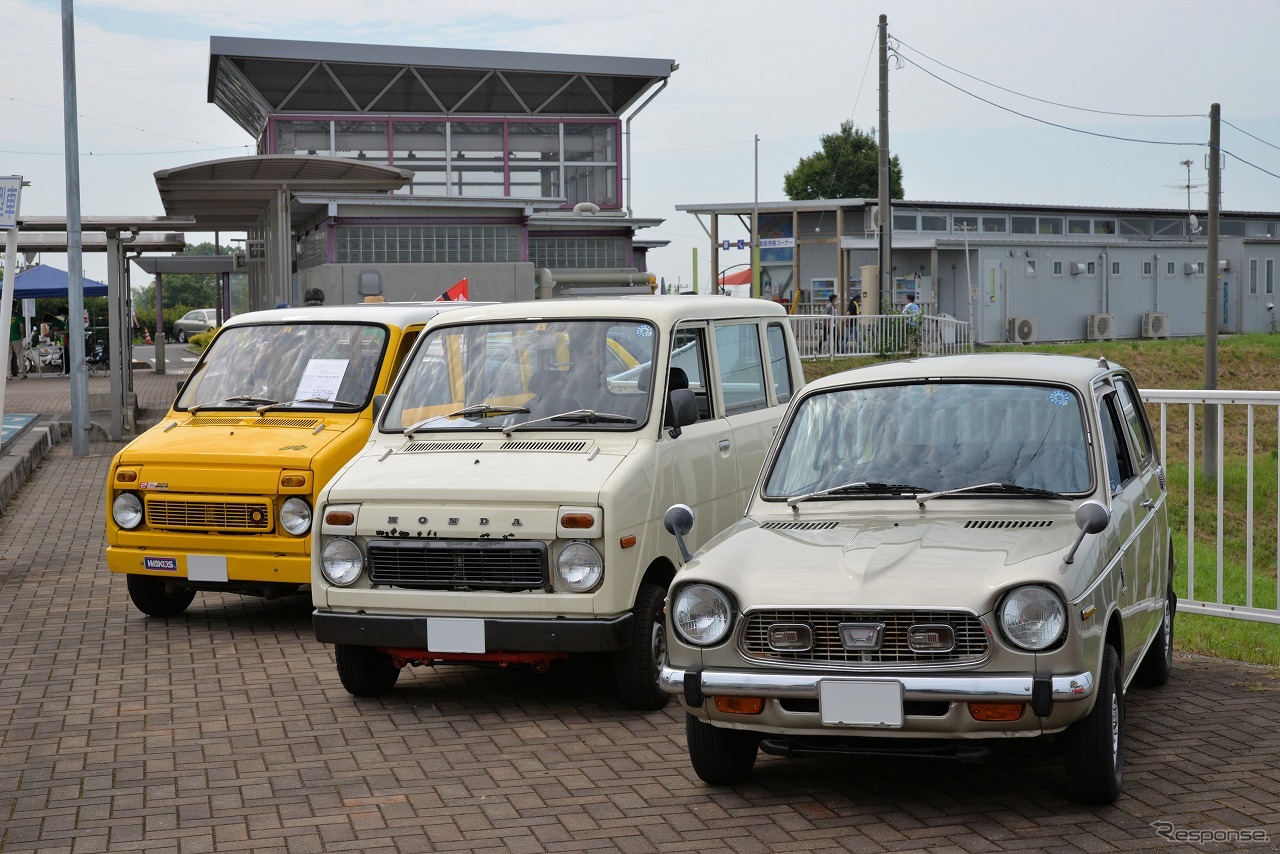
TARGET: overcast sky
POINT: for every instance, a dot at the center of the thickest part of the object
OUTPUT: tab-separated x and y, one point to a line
1078	73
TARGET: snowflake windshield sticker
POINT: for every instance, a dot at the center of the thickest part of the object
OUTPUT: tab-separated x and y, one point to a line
1059	398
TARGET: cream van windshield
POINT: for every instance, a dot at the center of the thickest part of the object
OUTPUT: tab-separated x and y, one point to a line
294	365
544	374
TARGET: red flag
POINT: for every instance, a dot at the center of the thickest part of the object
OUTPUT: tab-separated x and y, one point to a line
457	293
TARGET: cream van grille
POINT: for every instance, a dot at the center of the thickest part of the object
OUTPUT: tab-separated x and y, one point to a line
459	564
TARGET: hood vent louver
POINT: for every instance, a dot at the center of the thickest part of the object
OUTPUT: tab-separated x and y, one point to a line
570	446
1008	523
251	421
421	447
799	526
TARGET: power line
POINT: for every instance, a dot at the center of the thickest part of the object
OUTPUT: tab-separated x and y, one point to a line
1040	120
60	111
899	42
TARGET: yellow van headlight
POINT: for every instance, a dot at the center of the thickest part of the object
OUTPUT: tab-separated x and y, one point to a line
295	516
127	510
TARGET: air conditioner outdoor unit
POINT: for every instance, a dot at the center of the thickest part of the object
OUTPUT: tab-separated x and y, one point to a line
1077	267
1101	326
1191	268
1022	330
1155	324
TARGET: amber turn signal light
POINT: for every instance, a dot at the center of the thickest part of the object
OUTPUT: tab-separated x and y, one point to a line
339	518
577	520
740	705
996	711
126	476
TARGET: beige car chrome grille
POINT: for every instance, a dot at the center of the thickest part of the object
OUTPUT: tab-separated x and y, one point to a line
249	516
971	642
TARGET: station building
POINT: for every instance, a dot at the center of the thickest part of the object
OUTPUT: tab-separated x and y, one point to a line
1018	273
394	172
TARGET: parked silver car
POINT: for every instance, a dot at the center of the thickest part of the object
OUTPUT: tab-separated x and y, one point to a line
938	552
194	322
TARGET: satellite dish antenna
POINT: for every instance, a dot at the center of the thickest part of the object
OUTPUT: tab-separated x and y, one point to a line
1195	223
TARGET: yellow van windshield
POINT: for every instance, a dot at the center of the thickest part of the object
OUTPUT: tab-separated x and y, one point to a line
300	365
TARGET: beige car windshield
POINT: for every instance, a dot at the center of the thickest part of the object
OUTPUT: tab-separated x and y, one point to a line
933	436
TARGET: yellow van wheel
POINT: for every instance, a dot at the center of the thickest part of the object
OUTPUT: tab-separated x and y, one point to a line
159	597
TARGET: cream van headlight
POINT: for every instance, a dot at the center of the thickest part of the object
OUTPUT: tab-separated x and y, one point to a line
127	510
295	516
341	562
579	567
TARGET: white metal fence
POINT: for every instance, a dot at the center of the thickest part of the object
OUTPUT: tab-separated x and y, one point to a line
879	335
1241	585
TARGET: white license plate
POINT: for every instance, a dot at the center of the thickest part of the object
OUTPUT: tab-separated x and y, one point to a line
860	703
207	568
449	634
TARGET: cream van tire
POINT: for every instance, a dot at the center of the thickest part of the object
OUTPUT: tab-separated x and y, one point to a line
636	668
158	597
364	671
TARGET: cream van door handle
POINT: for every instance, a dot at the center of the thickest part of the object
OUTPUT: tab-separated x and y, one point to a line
724	446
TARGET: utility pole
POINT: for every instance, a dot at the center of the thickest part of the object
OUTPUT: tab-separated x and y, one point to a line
73	353
886	215
1209	453
755	228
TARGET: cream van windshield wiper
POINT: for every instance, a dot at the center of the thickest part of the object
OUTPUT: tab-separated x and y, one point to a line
588	416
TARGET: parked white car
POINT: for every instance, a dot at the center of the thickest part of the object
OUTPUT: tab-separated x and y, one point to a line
508	508
939	553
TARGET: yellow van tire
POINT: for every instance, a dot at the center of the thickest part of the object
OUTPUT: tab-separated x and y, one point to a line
158	597
365	671
636	668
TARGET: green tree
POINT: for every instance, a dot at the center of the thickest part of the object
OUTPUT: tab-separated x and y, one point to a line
184	289
846	167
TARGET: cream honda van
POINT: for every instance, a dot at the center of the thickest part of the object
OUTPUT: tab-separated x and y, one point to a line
218	496
508	507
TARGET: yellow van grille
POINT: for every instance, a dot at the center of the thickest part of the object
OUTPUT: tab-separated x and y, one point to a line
249	516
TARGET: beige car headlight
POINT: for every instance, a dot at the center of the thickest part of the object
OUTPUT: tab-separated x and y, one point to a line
702	614
1033	618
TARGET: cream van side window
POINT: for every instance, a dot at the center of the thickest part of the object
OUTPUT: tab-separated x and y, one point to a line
741	367
689	365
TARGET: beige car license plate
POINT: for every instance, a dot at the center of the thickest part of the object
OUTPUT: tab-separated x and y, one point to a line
864	703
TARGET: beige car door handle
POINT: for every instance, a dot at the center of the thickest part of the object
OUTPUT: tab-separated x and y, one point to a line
724	445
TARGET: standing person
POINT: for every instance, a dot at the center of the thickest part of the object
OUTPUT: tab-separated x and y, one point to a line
58	335
832	311
17	364
313	296
853	312
912	311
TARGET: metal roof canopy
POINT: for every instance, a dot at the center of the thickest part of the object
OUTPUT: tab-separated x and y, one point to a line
252	79
238	193
196	264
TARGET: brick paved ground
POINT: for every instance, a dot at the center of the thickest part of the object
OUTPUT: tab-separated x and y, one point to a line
226	729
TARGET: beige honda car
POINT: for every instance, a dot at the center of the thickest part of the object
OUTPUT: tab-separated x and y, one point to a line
939	554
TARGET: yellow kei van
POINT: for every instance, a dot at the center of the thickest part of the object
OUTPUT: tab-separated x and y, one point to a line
218	496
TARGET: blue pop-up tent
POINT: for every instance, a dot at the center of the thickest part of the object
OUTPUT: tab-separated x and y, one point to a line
43	281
